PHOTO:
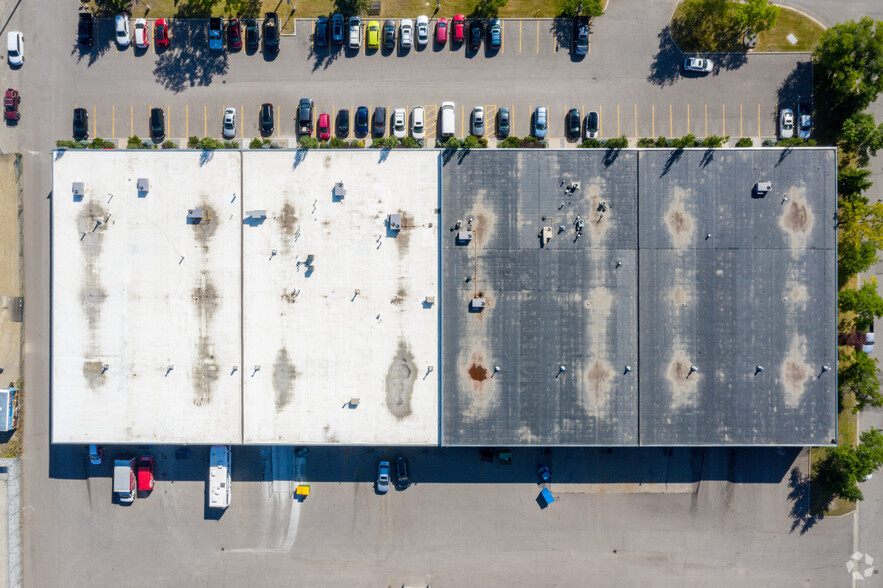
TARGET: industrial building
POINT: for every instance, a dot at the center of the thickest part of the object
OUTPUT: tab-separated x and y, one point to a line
487	297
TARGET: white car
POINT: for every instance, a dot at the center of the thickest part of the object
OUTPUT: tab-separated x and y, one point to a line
422	30
355	32
478	121
418	123
229	123
786	124
399	130
15	45
868	347
142	36
122	26
406	37
698	64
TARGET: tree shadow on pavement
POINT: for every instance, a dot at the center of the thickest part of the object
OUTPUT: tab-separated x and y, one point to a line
184	66
103	40
666	66
801	515
796	87
323	57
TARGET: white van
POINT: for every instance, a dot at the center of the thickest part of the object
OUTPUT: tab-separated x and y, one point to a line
447	119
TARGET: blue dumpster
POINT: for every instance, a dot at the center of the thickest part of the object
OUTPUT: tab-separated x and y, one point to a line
547	496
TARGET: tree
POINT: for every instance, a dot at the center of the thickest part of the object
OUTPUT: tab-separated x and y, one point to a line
852	181
864	302
243	8
704	25
844	467
858	221
861	135
860	378
756	15
854	258
571	8
112	6
850	59
351	7
487	8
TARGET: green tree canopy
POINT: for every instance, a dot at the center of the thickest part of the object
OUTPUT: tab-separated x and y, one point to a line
862	136
850	59
571	8
487	8
852	259
860	377
852	181
844	467
864	302
860	222
756	15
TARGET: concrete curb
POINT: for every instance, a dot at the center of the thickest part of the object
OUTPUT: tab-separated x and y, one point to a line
13	520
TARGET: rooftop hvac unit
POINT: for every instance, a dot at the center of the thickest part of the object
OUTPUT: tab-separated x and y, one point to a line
477	304
464	237
79	189
195	214
395	222
339	190
762	188
143	185
256	214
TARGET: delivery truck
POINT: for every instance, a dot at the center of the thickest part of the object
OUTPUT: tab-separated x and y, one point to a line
124	478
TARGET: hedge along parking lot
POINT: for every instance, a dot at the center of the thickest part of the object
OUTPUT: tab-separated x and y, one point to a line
313	8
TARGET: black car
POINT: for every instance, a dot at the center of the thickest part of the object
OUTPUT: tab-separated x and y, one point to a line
266	119
157	125
81	124
322	31
475	32
337	29
251	34
402	479
85	28
503	122
380	120
389	34
271	33
580	36
343	122
305	117
362	121
572	124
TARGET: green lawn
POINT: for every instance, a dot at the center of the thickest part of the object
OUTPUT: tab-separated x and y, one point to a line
695	33
807	31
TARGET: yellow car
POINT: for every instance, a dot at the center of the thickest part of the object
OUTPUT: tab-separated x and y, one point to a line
373	34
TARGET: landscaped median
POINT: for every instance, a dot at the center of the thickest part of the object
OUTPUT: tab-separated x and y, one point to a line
717	26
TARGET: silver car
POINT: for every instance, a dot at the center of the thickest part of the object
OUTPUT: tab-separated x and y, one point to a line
422	30
406	36
383	477
229	123
540	123
399	129
697	64
355	40
478	121
786	124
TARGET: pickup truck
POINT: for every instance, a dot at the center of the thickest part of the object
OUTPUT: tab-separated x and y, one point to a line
305	117
124	479
215	34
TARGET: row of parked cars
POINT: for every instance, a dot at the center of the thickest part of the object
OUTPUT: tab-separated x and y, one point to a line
407	32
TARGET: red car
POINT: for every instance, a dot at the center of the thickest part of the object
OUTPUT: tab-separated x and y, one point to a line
10	104
459	28
324	129
234	35
441	31
161	33
145	473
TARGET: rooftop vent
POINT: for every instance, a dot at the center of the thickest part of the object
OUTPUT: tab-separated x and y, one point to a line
339	190
395	222
143	185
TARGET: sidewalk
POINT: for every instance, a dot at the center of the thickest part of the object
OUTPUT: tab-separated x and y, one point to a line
10	273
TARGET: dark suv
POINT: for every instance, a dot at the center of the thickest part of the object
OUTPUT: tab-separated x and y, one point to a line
475	32
402	479
267	119
305	117
251	35
322	31
362	121
389	34
343	122
85	28
573	124
380	120
157	125
81	124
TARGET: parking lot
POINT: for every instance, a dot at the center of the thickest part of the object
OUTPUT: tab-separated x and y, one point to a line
535	55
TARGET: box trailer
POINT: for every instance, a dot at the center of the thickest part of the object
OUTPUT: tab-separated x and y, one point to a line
124	478
219	477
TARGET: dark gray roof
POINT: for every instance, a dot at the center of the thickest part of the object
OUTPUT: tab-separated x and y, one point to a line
642	287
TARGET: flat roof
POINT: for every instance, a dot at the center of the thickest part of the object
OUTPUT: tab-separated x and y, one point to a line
168	330
681	267
638	297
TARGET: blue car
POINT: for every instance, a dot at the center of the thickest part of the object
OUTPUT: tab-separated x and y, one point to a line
540	122
495	33
362	121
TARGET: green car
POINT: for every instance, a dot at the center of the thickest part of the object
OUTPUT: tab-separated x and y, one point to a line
503	123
